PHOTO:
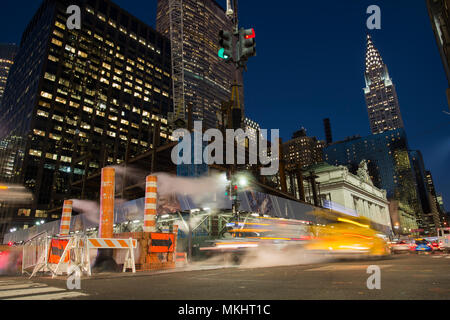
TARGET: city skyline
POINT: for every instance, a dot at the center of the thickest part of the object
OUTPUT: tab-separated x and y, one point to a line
340	51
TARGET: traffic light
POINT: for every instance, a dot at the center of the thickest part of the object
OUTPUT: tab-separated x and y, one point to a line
226	45
247	44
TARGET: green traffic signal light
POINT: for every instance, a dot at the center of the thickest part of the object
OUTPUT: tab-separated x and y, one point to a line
226	44
222	54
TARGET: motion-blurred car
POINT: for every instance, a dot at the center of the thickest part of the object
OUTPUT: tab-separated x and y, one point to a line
400	247
423	245
259	233
443	235
352	237
10	193
435	246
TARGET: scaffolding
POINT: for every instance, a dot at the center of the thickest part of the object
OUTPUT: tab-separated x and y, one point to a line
176	39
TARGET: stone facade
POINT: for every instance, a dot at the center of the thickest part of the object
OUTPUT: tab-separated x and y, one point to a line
351	193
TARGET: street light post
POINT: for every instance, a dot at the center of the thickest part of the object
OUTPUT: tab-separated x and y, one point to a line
190	238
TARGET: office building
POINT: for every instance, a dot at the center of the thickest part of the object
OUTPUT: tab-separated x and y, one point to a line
7	55
439	12
435	213
82	99
381	96
204	80
328	133
302	150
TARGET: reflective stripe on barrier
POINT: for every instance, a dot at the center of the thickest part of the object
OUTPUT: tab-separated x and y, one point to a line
151	190
66	217
181	257
100	243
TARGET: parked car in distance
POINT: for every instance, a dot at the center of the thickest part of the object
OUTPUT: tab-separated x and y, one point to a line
400	246
423	245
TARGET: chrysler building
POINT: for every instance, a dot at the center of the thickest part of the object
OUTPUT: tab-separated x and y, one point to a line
381	97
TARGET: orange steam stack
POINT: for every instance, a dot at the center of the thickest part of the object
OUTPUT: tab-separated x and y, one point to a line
107	191
150	204
64	227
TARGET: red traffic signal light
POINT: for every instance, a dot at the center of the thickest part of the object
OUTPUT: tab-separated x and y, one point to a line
251	36
10	244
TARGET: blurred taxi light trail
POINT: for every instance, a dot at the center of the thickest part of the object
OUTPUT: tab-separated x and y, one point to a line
232	246
353	222
4	188
358	235
250	230
255	224
353	248
267	238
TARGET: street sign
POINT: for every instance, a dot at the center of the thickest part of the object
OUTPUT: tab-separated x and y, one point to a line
162	242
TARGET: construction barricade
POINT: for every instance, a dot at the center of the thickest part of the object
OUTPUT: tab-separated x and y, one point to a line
35	253
100	243
57	255
155	251
181	259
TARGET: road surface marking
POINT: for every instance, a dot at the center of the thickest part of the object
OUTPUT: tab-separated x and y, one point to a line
30	290
22	286
21	290
345	268
53	296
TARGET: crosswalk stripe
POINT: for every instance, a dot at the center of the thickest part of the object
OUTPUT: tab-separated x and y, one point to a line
23	286
12	281
52	296
30	291
26	290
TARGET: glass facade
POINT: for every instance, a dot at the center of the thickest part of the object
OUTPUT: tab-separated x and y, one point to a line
207	78
83	99
7	55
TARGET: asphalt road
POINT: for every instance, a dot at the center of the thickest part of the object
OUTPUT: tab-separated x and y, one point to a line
402	277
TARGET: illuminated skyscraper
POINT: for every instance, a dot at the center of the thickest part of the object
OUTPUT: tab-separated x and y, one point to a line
207	78
80	100
302	150
7	54
439	11
380	93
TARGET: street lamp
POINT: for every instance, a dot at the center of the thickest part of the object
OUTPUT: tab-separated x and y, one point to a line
243	182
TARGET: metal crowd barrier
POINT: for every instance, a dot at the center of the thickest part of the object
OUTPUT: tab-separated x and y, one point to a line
35	252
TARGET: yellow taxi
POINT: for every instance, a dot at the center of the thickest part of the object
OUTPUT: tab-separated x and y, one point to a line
348	237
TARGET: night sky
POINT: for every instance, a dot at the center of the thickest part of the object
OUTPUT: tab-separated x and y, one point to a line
310	65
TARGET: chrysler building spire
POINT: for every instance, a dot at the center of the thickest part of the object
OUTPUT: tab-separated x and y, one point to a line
381	97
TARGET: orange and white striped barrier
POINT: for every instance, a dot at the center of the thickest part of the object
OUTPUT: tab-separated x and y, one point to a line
181	258
64	227
151	191
100	243
107	190
103	243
